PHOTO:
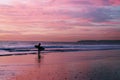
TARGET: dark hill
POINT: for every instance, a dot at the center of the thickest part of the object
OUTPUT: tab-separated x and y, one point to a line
99	42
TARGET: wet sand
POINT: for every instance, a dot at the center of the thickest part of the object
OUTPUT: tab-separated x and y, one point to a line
84	65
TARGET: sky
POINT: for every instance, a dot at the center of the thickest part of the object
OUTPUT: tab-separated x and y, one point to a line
59	20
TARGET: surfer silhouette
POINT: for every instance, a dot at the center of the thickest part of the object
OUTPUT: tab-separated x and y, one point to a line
39	49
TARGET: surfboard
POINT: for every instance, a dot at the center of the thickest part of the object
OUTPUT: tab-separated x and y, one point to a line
39	47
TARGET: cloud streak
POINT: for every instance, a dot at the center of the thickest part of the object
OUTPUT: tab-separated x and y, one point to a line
61	17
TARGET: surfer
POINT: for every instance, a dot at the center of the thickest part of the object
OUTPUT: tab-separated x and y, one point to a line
39	49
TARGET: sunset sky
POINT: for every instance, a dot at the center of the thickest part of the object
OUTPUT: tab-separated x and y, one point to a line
59	20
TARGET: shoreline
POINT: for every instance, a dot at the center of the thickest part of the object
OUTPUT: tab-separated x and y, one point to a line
84	65
60	51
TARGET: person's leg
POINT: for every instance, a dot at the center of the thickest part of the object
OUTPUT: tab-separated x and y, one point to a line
39	56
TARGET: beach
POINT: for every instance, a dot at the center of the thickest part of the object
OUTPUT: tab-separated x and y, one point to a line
81	65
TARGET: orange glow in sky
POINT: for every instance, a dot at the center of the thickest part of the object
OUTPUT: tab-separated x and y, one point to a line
59	20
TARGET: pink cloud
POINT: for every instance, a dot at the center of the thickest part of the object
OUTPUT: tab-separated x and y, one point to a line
60	18
95	2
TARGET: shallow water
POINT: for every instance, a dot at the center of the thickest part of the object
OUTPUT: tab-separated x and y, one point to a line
86	65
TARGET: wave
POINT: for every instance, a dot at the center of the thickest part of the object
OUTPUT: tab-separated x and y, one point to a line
15	54
64	48
23	48
23	51
73	47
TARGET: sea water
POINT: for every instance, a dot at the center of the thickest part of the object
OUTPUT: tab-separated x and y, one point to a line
27	47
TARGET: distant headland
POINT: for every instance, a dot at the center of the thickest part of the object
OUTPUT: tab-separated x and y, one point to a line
117	42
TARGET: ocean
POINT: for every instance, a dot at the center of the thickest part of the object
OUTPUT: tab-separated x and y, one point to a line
8	48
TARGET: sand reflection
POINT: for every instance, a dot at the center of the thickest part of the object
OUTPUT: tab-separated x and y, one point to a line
93	65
